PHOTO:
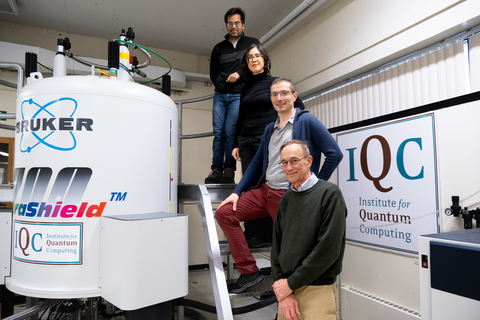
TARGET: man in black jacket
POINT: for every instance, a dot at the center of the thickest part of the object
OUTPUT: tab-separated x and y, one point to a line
224	73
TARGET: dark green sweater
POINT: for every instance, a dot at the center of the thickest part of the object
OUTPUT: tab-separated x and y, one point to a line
309	236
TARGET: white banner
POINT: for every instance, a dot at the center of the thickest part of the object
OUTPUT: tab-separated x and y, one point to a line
389	180
48	243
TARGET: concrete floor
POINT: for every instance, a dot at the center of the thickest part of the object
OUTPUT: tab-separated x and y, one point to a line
200	289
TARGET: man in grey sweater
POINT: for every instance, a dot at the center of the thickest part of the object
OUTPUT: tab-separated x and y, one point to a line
308	240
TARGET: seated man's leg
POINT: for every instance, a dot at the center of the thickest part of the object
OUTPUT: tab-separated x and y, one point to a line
250	205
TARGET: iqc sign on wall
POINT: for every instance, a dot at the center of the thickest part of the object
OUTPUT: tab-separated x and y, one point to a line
389	180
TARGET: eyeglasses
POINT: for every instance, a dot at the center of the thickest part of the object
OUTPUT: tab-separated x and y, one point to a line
293	162
283	94
236	23
256	57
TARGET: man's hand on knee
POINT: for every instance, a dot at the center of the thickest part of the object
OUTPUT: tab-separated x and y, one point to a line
233	198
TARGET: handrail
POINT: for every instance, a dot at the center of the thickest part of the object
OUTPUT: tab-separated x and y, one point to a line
5	116
195	99
6	126
190	136
18	86
19	68
197	135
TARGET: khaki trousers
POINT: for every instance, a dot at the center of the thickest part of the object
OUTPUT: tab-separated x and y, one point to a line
316	303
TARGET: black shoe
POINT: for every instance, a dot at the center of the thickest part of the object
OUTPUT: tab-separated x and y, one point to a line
245	281
214	177
228	176
258	243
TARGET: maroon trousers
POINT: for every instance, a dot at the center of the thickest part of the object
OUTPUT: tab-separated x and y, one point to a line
253	204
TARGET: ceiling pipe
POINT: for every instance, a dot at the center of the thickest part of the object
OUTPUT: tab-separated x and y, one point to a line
192	76
297	14
292	15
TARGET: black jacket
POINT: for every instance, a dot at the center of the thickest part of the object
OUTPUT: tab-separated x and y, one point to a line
225	60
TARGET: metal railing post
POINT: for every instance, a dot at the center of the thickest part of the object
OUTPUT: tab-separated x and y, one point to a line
179	137
190	136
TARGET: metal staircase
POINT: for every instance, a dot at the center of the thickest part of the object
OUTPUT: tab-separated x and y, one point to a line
203	196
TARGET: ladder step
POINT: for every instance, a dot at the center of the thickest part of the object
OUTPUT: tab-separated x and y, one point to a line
261	289
225	249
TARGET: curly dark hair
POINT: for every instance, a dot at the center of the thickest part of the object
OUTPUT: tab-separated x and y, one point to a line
246	73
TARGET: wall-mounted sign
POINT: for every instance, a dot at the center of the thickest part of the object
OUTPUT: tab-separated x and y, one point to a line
389	180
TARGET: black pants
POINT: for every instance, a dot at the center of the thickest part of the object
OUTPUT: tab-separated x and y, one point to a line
259	228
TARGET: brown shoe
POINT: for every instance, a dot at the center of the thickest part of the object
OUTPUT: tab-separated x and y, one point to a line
214	177
228	176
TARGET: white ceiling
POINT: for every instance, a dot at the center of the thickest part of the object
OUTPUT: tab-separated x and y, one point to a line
191	26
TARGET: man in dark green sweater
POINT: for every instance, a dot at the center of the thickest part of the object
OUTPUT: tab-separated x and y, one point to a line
308	240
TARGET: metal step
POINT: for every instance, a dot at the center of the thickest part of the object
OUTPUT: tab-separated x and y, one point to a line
225	249
261	289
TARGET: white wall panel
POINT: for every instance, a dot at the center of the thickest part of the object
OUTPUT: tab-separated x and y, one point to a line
343	106
475	62
364	306
441	74
459	71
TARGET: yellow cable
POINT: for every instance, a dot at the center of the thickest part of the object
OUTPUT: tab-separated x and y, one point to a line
103	72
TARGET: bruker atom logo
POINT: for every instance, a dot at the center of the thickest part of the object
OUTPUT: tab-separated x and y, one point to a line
41	126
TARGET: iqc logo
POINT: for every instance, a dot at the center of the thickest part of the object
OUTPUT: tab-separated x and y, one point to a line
67	191
40	126
387	160
48	243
